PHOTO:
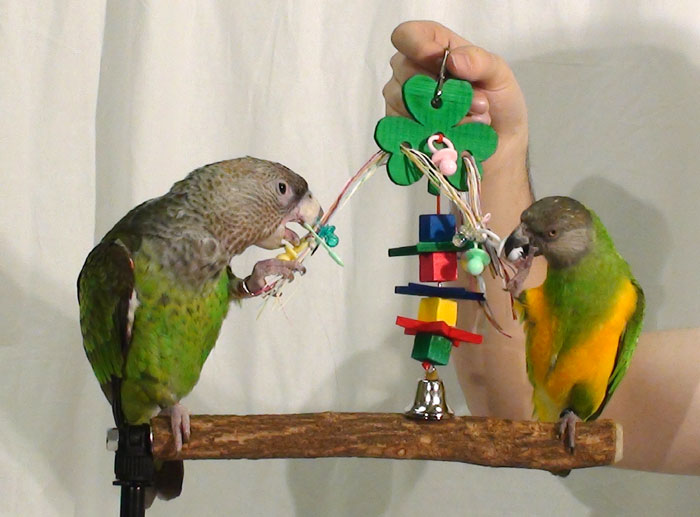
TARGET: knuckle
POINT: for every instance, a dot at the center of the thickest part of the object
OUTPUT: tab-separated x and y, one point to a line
391	91
386	91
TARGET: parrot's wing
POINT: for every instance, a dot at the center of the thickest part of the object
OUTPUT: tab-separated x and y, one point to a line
628	342
105	288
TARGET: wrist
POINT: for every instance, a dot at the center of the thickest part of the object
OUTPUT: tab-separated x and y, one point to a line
506	189
510	157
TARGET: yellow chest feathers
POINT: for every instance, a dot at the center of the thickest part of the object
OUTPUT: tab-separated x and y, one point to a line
555	366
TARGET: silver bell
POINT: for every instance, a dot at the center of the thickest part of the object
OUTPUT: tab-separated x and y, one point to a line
430	403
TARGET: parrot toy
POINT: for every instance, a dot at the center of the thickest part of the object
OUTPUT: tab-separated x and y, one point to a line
155	290
583	322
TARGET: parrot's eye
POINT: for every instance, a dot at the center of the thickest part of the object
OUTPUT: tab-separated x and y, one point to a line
282	187
552	233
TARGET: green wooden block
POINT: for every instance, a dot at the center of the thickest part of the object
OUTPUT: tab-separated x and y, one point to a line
433	348
425	247
403	251
432	247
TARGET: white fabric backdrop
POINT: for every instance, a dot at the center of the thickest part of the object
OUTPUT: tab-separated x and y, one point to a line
103	105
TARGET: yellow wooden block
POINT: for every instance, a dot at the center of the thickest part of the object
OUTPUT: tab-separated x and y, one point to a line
438	309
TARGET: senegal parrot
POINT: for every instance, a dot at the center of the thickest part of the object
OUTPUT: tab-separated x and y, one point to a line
155	290
583	322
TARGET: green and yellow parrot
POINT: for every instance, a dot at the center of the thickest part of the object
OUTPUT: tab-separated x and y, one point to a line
155	290
583	322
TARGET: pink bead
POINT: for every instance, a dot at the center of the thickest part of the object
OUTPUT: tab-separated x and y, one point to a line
446	160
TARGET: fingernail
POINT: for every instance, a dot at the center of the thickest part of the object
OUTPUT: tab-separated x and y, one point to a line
460	64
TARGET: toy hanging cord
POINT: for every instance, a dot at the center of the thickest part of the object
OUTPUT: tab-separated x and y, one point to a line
316	236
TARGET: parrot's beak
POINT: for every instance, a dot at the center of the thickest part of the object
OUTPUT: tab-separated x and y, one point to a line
307	210
517	245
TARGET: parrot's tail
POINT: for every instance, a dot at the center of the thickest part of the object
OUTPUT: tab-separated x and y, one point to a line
167	481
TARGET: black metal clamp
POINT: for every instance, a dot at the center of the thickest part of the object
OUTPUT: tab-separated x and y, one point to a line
133	466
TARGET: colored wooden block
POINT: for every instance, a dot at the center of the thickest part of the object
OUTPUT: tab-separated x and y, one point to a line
430	247
438	309
403	251
455	293
426	247
412	327
436	227
432	348
437	267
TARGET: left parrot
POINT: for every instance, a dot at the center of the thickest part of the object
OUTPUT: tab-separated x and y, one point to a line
155	290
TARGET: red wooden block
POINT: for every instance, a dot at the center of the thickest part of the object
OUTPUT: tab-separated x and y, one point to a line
440	266
413	327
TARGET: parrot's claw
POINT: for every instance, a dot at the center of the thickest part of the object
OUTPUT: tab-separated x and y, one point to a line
269	267
523	265
179	424
566	428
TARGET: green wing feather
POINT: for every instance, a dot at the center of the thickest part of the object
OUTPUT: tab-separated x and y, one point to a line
105	285
628	343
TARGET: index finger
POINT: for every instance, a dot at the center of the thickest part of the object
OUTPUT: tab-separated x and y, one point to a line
424	42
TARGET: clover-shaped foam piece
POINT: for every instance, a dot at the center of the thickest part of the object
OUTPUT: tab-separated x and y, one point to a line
418	92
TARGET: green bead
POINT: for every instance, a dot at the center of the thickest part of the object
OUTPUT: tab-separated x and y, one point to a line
475	267
476	259
433	348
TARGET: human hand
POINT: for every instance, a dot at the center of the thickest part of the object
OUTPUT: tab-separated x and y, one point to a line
497	98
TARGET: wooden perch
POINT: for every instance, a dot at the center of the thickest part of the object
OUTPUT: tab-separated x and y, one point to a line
482	441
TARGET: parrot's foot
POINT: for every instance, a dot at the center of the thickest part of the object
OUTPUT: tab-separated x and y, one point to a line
179	424
269	267
566	428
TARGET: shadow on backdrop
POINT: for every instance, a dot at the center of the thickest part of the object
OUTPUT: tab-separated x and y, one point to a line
632	223
39	337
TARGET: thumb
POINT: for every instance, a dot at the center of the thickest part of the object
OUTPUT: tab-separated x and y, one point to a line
481	67
424	42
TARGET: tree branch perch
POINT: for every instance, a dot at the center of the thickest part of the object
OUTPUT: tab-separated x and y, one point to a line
481	441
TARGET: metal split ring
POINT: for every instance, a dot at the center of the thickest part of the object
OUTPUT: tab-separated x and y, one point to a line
437	101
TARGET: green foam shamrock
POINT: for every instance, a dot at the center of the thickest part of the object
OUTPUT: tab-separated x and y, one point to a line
418	92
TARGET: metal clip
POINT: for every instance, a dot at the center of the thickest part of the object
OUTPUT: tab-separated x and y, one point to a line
112	439
437	101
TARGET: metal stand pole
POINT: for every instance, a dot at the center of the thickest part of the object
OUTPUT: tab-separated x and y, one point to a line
132	501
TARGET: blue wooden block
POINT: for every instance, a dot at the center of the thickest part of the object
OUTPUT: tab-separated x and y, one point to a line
453	293
436	227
